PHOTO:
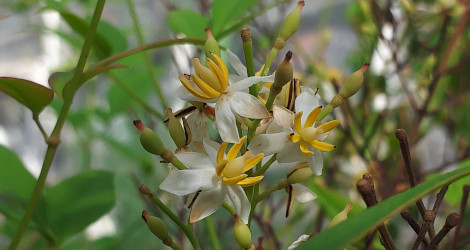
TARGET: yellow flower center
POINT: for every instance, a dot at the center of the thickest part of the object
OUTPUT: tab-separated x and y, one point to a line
308	134
232	168
212	81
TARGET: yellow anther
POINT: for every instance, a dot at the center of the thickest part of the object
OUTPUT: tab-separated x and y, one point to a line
206	74
233	152
221	152
322	146
234	180
192	89
250	181
304	149
234	167
208	90
222	82
251	162
312	117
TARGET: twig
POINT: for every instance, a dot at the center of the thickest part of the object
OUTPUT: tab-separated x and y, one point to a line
428	221
406	215
463	204
451	221
439	198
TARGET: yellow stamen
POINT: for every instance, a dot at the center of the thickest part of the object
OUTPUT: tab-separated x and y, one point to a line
234	180
206	74
233	152
328	126
208	90
298	122
304	149
312	117
220	167
250	163
223	67
221	152
234	167
294	137
262	100
218	73
322	146
193	90
250	181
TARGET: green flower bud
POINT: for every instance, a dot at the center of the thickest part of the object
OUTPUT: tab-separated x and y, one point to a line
299	173
145	190
353	83
342	216
176	130
156	226
149	139
242	233
211	45
291	23
284	74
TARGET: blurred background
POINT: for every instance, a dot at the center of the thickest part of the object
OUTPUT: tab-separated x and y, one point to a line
417	81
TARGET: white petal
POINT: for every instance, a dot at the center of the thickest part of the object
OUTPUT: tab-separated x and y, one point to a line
237	65
269	143
225	121
305	103
302	193
199	125
300	240
283	116
194	160
207	202
247	105
235	78
315	162
247	82
211	148
184	94
239	201
291	153
184	182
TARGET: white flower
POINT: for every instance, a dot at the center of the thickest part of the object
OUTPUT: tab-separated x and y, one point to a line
217	177
300	193
302	142
212	85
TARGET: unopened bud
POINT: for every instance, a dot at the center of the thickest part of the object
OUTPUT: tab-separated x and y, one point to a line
211	45
291	23
284	74
145	190
299	173
245	34
353	83
149	139
242	233
176	130
342	216
156	226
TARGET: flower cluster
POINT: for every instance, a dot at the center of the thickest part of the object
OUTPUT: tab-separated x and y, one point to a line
256	116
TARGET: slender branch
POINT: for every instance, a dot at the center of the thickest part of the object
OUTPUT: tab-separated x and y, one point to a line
41	128
266	165
212	233
54	139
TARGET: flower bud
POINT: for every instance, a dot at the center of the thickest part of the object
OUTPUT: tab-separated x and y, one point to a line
149	139
353	83
299	173
291	23
145	190
156	225
211	45
176	130
342	216
284	74
242	233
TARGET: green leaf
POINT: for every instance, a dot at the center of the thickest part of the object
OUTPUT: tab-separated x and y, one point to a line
58	80
34	96
80	26
15	180
224	13
357	226
78	201
98	70
188	22
331	201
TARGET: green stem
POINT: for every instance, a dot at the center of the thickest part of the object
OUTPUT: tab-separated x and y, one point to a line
177	163
269	61
280	185
54	139
41	128
212	234
270	101
136	97
266	165
154	45
189	233
230	209
148	62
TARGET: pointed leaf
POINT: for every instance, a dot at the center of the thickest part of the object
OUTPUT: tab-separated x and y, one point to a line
225	13
356	227
188	22
34	96
78	201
